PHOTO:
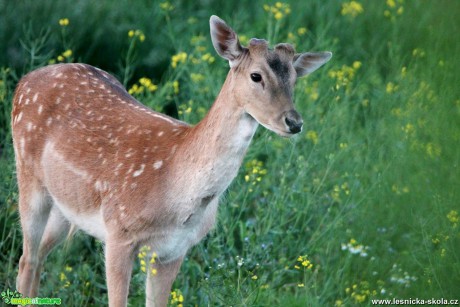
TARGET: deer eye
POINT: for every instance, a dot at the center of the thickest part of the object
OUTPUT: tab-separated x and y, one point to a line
256	77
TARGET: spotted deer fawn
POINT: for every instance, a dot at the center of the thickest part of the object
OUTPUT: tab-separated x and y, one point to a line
91	156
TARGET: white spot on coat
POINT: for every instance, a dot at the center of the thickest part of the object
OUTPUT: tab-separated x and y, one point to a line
22	146
139	171
157	164
18	118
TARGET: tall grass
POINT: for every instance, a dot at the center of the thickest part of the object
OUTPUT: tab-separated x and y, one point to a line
361	205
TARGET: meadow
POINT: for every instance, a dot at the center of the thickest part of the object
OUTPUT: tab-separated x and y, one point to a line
362	205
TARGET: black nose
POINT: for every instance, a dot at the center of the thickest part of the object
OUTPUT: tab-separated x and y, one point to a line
293	121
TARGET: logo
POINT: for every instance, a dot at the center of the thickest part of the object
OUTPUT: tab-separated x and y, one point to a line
15	298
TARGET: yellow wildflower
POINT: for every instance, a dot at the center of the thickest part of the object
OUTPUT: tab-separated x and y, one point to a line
356	65
359	298
147	83
137	33
304	262
345	75
144	251
391	3
196	77
192	20
418	52
181	57
391	88
134	90
244	39
208	58
312	136
408	129
453	217
301	31
403	71
352	8
443	252
279	10
176	87
166	6
177	297
67	53
64	22
254	172
433	150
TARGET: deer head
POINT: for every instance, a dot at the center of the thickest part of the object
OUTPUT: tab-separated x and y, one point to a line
264	78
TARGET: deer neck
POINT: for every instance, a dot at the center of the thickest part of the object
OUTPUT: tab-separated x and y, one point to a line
227	128
215	148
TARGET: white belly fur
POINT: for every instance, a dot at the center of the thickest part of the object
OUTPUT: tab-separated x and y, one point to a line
92	222
169	244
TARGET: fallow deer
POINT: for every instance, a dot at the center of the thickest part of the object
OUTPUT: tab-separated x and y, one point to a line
89	155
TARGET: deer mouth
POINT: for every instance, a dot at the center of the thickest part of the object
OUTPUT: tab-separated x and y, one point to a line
286	133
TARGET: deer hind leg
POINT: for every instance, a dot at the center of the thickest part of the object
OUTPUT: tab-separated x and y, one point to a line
34	209
158	286
56	230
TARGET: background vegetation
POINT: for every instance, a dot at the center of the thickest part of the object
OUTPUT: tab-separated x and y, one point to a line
363	204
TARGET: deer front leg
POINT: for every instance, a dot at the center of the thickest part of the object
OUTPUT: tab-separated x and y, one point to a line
118	266
158	285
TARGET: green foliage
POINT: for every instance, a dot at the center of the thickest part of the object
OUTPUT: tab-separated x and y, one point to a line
363	204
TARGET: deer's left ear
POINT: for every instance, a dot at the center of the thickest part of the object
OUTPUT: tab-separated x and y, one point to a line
225	40
308	62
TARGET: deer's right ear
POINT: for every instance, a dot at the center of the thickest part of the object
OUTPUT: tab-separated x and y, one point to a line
225	40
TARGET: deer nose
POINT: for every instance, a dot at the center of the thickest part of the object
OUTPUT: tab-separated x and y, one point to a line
294	126
293	121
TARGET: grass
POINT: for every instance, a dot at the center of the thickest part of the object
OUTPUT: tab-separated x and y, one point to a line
367	194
